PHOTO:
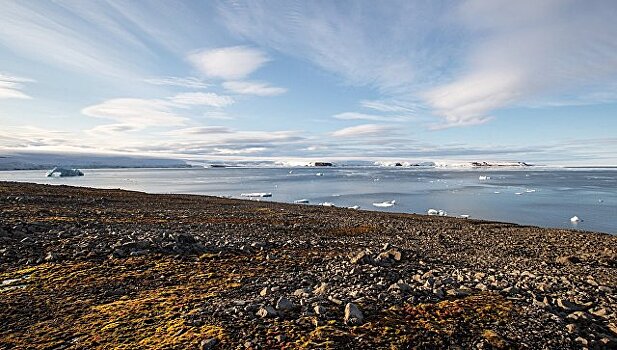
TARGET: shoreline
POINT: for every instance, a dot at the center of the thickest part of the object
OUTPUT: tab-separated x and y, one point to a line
271	200
222	273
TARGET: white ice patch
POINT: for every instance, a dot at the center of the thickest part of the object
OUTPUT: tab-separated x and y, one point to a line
385	204
435	212
256	194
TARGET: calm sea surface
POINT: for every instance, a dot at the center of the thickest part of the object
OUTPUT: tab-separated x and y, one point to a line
541	197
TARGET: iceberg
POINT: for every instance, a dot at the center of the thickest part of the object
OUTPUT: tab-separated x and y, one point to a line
64	172
256	194
301	201
435	212
575	219
385	204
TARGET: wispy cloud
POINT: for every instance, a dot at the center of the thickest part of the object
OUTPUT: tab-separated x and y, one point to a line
364	130
527	53
253	88
188	82
228	63
200	130
136	112
112	129
202	99
374	117
12	87
390	106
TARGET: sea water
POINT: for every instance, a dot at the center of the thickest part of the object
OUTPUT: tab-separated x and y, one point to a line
529	196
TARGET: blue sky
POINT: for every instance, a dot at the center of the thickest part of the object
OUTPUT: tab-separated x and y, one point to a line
399	80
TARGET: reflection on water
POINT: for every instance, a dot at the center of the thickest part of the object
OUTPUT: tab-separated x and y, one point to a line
543	197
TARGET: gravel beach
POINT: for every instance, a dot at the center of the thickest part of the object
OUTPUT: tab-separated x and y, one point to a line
88	268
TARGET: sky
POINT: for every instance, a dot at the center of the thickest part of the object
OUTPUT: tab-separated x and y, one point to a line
526	80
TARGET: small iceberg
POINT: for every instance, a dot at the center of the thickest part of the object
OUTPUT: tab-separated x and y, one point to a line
575	219
435	212
354	207
326	204
256	194
64	172
484	178
385	204
301	201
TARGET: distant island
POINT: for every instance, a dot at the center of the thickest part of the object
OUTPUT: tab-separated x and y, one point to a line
47	161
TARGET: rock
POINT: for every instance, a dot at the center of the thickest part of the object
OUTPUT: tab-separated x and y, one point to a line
567	260
266	312
601	312
360	258
284	304
572	328
581	341
208	344
481	286
400	286
494	339
51	257
319	310
566	305
353	315
265	291
322	289
613	328
577	315
302	292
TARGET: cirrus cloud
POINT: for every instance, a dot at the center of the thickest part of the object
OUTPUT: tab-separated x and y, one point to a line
253	88
11	87
364	130
203	99
137	112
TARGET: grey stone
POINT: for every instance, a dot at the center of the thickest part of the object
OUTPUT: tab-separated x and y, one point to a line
266	312
353	315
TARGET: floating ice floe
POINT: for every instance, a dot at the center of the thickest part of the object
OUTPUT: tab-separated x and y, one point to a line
301	201
326	204
256	194
575	219
385	204
64	172
484	178
433	212
319	174
355	207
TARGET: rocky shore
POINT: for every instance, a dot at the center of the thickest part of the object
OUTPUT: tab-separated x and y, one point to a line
91	269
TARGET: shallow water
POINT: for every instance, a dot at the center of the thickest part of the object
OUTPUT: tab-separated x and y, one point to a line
546	197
